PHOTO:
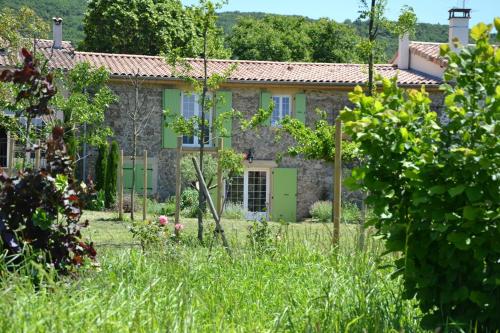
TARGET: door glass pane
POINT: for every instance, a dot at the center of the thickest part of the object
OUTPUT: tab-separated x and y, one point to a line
235	190
257	190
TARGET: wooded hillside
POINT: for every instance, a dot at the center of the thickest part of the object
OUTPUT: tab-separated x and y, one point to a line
73	10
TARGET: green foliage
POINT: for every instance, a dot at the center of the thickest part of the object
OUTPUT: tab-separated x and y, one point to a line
85	100
271	38
151	235
263	238
434	185
188	172
168	208
70	10
96	202
321	211
233	211
189	202
111	175
147	27
316	143
101	167
19	27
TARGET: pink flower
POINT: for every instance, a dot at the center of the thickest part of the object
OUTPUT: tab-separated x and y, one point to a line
163	220
179	227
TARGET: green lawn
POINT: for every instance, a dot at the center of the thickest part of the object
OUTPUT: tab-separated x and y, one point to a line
298	285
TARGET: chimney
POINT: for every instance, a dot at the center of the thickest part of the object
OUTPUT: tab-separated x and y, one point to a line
57	32
404	52
459	27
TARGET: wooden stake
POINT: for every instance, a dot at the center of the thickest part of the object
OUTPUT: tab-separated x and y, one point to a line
218	227
337	183
12	155
38	153
145	187
178	180
120	187
220	185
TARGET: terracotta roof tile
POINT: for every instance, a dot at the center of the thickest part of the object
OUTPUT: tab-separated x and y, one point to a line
122	65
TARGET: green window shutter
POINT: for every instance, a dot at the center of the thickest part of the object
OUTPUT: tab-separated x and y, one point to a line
265	101
300	107
172	103
225	104
284	194
139	176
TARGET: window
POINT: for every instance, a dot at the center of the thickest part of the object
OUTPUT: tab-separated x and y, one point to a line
191	107
281	109
235	190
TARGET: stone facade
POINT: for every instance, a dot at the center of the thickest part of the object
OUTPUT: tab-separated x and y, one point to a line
314	178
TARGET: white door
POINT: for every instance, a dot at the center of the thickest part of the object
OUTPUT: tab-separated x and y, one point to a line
256	194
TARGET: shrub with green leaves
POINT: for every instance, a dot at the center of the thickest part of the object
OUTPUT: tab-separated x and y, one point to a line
100	167
321	211
233	211
435	185
189	202
111	175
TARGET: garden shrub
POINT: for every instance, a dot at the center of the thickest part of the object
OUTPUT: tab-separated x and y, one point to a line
168	208
111	175
233	211
435	185
189	203
95	201
100	167
41	209
321	211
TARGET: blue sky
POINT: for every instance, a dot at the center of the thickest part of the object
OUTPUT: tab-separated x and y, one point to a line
428	11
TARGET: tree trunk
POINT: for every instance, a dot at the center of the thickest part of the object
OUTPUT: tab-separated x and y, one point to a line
371	37
201	196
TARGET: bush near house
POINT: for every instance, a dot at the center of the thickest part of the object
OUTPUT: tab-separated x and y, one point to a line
111	175
101	167
435	187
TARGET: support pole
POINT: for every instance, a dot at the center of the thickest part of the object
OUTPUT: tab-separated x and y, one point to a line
220	185
38	153
218	227
337	183
120	187
12	155
145	187
178	180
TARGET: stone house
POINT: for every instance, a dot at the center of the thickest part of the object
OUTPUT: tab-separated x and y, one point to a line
271	189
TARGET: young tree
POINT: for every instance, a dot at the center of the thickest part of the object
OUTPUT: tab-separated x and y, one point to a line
374	11
111	176
84	98
207	88
139	114
434	185
101	167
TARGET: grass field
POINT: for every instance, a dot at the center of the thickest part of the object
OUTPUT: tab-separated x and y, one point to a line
297	285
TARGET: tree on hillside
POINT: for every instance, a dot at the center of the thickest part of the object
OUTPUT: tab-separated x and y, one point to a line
18	30
150	27
278	38
333	42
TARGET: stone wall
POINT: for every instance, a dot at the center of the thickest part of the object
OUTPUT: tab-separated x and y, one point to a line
314	177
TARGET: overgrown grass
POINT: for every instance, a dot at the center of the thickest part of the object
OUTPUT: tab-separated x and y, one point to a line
301	285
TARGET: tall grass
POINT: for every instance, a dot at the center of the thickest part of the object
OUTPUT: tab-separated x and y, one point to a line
301	286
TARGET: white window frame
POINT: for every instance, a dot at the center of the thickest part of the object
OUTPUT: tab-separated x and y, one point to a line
197	112
256	215
280	108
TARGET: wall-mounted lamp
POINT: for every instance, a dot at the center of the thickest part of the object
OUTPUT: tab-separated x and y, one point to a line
248	155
